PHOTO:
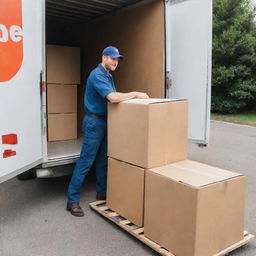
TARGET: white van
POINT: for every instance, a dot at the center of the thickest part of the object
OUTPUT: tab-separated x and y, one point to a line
167	45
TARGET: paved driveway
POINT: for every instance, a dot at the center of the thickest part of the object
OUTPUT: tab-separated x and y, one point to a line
33	221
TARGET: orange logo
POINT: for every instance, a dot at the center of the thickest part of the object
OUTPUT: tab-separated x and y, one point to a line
11	38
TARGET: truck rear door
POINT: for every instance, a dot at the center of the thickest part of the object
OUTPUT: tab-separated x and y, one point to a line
188	60
20	103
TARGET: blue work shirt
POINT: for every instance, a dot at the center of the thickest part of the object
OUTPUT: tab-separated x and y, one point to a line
99	84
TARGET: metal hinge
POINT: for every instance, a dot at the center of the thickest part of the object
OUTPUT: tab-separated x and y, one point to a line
42	83
44	130
168	79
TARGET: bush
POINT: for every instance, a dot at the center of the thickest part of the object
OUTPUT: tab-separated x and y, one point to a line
234	56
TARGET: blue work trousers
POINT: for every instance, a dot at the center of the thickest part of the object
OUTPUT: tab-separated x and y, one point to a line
94	148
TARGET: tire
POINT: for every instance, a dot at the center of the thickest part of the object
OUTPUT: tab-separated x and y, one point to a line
28	175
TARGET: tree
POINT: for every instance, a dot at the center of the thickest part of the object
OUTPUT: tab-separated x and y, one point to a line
234	55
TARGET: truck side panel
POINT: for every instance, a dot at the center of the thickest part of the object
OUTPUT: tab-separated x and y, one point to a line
20	100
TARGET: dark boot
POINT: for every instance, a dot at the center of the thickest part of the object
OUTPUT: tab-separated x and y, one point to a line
75	209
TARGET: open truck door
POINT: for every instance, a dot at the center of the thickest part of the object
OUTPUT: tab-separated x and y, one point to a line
188	61
20	101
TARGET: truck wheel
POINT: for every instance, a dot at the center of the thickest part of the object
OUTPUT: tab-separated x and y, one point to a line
28	175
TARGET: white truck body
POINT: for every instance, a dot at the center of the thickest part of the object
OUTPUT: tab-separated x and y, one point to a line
23	110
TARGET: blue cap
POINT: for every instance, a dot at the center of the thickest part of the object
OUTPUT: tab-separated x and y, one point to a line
112	52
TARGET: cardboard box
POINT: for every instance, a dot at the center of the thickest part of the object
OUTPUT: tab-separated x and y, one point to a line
148	133
61	98
63	64
193	209
62	126
125	190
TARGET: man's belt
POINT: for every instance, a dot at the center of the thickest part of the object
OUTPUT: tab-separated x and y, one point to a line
103	117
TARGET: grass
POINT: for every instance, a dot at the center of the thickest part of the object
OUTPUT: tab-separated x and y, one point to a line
248	118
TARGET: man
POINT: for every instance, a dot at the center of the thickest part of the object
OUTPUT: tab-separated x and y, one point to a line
100	88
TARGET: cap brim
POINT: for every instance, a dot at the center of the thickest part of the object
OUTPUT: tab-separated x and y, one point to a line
117	56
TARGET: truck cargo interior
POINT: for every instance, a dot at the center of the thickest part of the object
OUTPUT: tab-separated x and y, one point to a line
136	28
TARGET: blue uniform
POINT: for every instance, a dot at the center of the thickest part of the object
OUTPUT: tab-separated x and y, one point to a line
99	84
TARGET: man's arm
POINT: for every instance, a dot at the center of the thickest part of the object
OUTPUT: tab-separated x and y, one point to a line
116	97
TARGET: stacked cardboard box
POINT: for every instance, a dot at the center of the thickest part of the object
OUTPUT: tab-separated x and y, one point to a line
189	208
62	112
63	64
193	209
63	76
142	134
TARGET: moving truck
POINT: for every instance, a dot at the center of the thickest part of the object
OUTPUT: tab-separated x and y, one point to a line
167	45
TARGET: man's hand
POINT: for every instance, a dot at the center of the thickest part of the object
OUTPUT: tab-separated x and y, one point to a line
141	95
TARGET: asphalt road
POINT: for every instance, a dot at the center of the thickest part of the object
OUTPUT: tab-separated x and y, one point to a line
34	222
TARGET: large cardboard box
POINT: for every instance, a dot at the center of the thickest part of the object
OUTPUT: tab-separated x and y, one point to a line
61	98
193	209
125	190
63	64
62	126
148	133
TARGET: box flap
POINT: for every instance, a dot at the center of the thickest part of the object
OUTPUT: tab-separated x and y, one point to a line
194	173
150	101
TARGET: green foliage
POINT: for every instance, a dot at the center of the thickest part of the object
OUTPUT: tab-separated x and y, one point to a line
234	55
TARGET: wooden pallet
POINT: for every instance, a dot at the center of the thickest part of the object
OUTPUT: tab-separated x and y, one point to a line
138	232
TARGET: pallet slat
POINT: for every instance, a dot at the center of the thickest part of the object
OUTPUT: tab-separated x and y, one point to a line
247	239
112	214
124	222
103	208
138	232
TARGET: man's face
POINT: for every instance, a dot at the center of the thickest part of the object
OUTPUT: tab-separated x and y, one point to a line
110	63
